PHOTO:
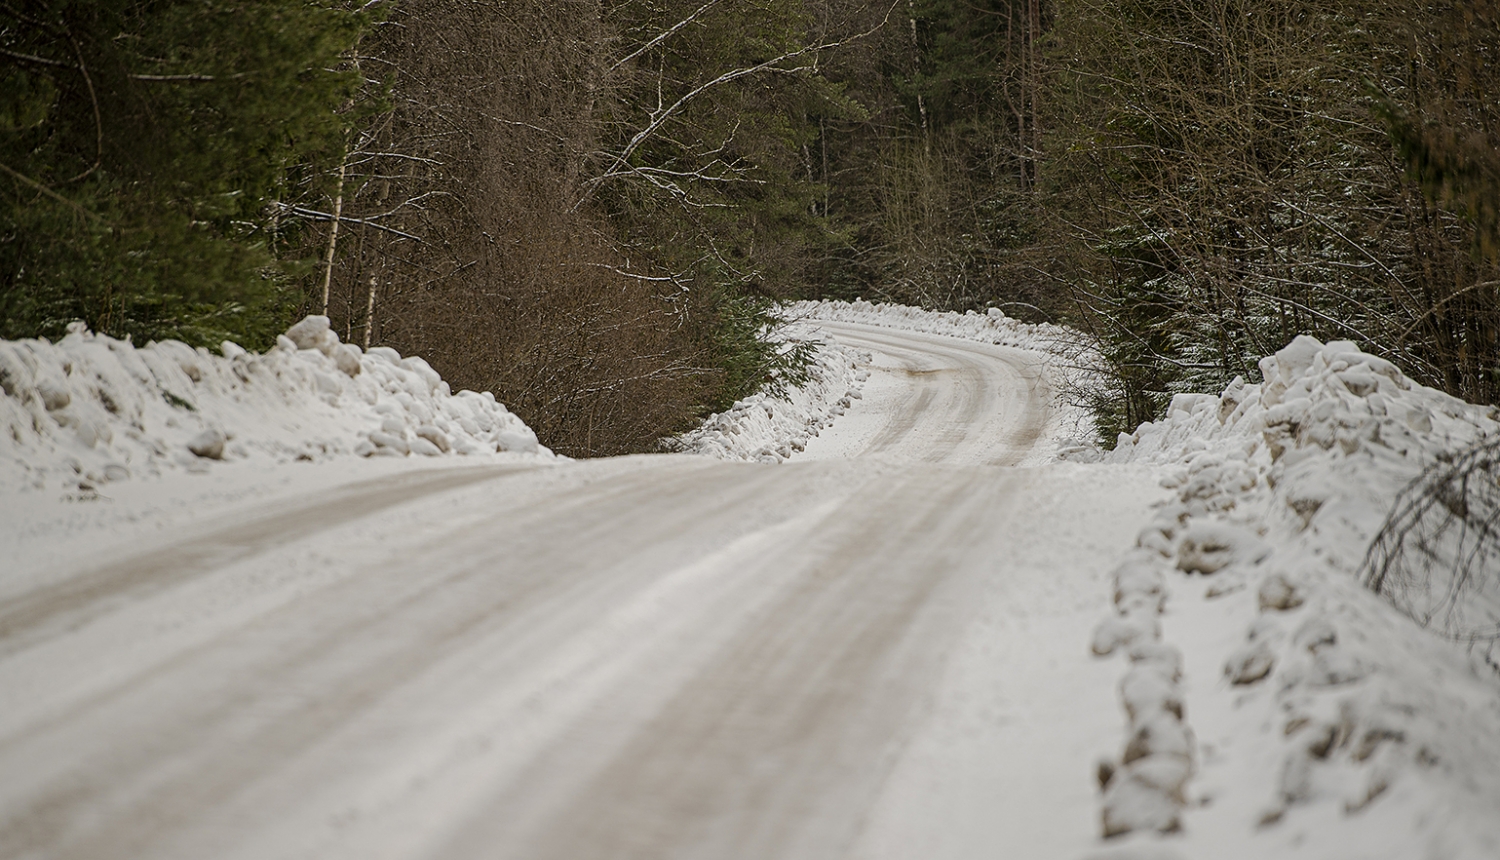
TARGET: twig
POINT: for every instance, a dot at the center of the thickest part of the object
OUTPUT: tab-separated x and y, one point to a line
98	120
50	193
666	34
315	215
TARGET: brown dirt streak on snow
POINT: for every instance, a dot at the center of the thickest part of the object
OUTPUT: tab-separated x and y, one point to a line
71	602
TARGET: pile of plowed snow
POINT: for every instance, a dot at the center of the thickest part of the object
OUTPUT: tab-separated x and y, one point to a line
91	409
769	427
1327	723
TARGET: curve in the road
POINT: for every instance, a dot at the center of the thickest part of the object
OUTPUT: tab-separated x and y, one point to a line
653	657
957	402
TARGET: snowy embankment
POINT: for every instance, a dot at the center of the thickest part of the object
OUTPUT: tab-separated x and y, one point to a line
770	427
1276	706
993	326
91	409
773	428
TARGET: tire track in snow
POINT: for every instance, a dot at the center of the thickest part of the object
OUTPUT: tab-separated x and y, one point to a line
286	682
776	746
955	413
62	606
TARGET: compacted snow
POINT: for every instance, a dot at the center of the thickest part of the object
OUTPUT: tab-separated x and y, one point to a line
311	604
1044	361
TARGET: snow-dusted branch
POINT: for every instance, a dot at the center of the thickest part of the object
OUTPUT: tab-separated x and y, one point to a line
666	34
681	280
664	113
315	215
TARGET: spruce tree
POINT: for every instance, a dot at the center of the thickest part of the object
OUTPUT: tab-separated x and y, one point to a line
144	147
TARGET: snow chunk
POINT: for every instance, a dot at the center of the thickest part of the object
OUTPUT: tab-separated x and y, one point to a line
1209	547
1133	803
309	333
209	444
1115	632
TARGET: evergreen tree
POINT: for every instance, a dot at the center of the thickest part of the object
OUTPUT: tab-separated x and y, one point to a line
144	147
1203	158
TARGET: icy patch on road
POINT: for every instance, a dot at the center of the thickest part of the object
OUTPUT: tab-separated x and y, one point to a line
91	409
767	427
1328	723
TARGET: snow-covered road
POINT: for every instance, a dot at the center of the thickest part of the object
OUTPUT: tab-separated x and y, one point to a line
876	651
940	400
854	622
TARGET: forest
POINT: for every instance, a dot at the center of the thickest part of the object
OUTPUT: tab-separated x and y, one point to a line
592	207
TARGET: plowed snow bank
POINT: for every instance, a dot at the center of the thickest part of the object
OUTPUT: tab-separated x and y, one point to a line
769	427
91	409
1329	724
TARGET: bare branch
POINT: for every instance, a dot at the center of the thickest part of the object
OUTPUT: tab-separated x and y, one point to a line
662	115
315	215
32	58
679	280
366	156
49	192
98	120
194	79
666	34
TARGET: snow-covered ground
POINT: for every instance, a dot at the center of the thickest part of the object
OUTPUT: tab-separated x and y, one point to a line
100	437
1323	722
311	604
1275	707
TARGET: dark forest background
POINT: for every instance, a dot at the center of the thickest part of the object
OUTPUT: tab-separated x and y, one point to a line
589	207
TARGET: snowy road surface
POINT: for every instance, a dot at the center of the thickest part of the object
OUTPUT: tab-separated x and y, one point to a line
941	400
878	650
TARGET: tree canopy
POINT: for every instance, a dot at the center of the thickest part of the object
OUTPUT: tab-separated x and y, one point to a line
146	148
589	206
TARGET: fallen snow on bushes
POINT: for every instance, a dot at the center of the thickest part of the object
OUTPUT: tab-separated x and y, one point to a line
1275	707
91	410
993	326
771	427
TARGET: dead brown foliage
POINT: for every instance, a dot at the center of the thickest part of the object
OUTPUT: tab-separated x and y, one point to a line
463	238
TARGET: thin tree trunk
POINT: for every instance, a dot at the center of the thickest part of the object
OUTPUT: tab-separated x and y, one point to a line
1034	33
823	140
916	66
333	232
370	312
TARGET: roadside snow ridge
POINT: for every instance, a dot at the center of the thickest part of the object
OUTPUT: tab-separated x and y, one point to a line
1327	723
91	409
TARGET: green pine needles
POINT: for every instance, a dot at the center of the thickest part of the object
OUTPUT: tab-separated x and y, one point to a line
143	149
